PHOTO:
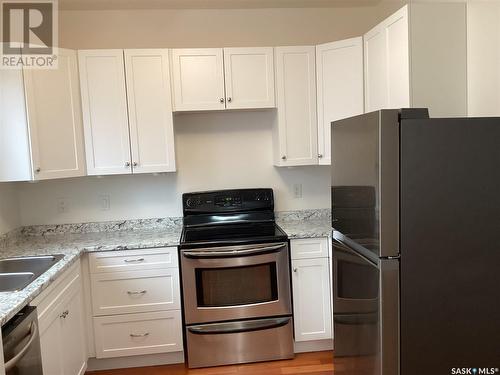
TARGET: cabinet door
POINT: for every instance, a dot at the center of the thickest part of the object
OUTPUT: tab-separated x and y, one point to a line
104	104
387	77
339	71
311	299
15	156
296	136
249	77
198	79
55	119
73	336
51	343
150	110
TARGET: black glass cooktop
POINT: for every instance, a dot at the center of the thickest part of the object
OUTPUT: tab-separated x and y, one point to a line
232	233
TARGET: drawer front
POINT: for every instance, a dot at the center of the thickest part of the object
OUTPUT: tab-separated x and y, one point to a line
135	291
138	334
309	248
133	260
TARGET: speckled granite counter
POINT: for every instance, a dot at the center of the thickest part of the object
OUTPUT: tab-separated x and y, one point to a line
305	223
72	245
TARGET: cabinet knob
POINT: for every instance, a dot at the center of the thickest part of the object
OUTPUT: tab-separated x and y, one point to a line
229	99
283	157
320	156
135	164
127	164
38	170
295	270
64	314
221	100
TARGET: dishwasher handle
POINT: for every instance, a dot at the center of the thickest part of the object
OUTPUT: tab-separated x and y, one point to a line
14	360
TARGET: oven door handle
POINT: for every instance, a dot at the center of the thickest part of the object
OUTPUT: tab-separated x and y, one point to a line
9	365
238	327
234	251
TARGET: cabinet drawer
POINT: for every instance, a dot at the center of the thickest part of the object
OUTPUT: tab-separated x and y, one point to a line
133	260
135	291
309	248
138	334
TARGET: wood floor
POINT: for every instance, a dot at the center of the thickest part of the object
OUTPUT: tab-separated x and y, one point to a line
318	363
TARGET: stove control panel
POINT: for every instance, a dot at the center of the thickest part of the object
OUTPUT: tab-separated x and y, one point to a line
228	201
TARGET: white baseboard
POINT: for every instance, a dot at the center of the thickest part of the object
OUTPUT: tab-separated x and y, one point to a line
95	364
313	346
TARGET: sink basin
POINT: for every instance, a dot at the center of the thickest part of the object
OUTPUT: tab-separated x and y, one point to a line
16	273
15	281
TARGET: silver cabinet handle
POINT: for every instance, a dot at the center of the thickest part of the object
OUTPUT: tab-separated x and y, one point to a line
9	365
135	164
283	157
229	99
221	100
64	314
145	334
320	156
295	270
127	164
138	260
131	293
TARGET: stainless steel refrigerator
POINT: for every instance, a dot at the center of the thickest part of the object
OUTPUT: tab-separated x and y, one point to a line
416	244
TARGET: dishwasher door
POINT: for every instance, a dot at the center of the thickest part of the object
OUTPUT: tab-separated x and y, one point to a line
21	344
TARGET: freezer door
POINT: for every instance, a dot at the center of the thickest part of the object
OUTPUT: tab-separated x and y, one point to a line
366	313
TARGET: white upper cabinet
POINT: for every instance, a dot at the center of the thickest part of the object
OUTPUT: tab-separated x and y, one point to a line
417	58
41	122
198	79
150	110
296	131
104	102
249	77
55	119
216	78
127	111
483	46
386	63
339	72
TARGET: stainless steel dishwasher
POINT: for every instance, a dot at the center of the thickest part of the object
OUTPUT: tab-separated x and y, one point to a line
21	344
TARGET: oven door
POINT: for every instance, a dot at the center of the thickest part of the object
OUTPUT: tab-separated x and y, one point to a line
235	282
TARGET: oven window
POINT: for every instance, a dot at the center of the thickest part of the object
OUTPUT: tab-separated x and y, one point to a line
356	280
237	285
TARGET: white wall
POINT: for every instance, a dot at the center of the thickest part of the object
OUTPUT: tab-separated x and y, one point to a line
214	150
9	208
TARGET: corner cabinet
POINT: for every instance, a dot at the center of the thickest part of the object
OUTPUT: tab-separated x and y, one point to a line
41	122
339	73
296	131
219	79
127	111
417	57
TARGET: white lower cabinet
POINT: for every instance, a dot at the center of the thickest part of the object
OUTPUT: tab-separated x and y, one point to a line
62	333
137	334
311	294
136	302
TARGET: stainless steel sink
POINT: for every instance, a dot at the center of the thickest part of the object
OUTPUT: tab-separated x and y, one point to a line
17	273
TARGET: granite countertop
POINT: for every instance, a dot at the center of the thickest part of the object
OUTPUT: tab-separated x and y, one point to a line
72	240
72	246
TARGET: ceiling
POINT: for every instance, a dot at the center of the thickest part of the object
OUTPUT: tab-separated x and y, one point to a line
209	4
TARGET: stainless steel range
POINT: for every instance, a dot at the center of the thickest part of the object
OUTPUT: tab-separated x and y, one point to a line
235	279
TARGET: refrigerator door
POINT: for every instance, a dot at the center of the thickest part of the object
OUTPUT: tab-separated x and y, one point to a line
365	180
450	231
366	313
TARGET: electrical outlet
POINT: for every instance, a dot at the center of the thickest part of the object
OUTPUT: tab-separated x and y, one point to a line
105	202
62	205
297	190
